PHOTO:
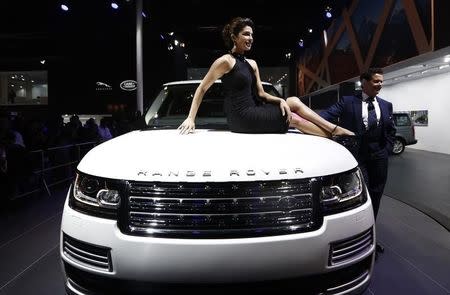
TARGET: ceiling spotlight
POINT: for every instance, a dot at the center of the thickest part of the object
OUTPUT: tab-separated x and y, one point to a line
328	12
301	43
64	7
144	15
114	5
310	30
43	61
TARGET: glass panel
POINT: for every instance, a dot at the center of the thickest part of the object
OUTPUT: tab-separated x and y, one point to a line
396	41
314	56
401	120
424	10
324	100
365	21
333	28
342	62
23	88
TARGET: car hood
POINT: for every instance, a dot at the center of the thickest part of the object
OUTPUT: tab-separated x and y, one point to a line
213	156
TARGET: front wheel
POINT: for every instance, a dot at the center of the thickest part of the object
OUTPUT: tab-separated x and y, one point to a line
399	146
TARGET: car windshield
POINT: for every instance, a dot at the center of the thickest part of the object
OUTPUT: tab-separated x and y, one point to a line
172	105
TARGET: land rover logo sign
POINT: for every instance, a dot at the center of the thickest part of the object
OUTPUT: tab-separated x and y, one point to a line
128	85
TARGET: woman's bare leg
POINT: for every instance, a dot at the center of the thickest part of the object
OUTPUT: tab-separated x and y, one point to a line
308	127
298	107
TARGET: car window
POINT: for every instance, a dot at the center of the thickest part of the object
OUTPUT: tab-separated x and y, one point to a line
402	120
179	97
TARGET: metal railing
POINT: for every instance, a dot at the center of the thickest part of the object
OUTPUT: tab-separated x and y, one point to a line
53	166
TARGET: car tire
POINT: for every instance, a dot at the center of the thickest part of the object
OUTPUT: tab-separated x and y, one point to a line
399	146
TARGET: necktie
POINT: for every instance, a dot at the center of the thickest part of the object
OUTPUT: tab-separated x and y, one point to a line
371	114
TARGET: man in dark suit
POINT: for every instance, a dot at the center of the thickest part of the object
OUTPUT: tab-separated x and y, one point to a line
370	117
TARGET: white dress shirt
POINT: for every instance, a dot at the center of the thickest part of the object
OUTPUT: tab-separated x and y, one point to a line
365	111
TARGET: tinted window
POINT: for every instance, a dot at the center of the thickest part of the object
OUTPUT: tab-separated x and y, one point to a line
179	97
402	120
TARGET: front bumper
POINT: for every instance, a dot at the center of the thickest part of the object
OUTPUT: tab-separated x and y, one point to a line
145	260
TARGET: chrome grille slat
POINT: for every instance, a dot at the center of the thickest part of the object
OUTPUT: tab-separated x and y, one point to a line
92	256
85	259
352	241
359	250
218	220
224	204
200	207
355	282
103	258
350	248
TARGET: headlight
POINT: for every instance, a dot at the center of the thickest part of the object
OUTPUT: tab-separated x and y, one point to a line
96	196
342	192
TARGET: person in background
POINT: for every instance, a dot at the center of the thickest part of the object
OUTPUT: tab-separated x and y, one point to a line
103	130
370	117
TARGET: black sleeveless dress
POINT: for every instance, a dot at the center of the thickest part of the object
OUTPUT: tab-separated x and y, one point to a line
246	112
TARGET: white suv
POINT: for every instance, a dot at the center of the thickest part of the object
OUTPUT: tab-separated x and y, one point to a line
154	207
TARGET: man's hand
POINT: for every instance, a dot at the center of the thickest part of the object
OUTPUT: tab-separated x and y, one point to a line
188	126
285	110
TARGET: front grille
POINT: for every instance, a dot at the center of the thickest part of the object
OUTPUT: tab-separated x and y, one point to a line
86	254
237	209
351	248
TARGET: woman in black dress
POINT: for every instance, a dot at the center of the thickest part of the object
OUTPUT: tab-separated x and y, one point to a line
246	113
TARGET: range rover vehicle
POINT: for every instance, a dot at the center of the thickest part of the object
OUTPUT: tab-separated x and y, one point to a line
405	134
153	207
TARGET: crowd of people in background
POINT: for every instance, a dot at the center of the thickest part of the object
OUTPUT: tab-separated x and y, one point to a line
21	137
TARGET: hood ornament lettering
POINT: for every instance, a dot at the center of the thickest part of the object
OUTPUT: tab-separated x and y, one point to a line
233	172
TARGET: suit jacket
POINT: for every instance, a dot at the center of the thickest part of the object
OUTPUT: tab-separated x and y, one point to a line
349	112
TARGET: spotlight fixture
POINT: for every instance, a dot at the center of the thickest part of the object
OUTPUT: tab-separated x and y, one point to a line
43	61
328	13
114	5
144	15
64	7
301	43
310	30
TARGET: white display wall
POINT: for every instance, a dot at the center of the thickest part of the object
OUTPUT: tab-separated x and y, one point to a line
433	94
